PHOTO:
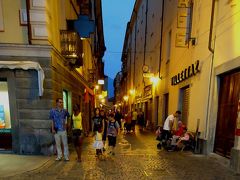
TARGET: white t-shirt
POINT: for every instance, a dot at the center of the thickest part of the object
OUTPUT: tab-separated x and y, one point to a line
167	121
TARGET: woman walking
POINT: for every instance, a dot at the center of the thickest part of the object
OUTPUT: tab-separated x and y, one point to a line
77	130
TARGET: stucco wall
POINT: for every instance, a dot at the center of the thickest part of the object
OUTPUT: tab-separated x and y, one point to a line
11	22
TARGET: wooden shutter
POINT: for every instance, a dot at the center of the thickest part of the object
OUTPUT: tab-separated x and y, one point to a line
185	105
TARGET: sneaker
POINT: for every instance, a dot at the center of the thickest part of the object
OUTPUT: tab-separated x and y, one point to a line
58	159
66	159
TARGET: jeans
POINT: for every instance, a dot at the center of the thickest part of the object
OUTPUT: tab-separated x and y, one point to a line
61	136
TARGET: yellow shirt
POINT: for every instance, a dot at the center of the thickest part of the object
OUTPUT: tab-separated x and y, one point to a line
134	115
77	121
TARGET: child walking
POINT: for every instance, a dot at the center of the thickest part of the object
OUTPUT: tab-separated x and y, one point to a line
112	133
98	143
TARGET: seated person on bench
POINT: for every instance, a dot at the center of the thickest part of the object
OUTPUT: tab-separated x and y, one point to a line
177	133
183	139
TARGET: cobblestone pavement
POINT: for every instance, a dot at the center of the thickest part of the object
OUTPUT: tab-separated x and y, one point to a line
136	158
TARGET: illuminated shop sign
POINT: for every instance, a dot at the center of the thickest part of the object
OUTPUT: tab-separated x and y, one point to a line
188	72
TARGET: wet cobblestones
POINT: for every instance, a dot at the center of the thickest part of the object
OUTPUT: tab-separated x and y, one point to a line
136	158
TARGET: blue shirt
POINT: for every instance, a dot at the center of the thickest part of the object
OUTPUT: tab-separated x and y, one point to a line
59	118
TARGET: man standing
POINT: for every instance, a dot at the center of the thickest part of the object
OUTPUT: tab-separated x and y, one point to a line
168	124
59	117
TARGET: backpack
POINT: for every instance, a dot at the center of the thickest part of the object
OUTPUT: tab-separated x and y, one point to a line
112	127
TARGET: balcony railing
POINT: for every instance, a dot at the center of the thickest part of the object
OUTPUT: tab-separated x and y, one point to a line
71	48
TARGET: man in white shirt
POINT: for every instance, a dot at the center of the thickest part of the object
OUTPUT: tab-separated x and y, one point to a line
168	124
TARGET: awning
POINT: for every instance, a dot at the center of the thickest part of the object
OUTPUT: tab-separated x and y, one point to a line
26	65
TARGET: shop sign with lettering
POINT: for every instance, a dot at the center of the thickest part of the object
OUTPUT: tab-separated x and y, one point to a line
148	90
186	73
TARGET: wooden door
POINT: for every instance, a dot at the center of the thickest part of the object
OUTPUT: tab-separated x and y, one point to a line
227	113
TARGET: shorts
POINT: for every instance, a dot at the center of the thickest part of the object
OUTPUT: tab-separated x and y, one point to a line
76	135
112	141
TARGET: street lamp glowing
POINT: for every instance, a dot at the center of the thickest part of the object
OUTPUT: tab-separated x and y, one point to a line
100	81
100	96
132	91
125	98
97	87
154	80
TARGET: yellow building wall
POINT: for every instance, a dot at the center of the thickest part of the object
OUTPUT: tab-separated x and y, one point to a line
181	58
58	12
13	31
199	92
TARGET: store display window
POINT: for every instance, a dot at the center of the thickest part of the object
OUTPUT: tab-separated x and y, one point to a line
5	120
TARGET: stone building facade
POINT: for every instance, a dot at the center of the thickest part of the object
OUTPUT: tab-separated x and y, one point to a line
44	55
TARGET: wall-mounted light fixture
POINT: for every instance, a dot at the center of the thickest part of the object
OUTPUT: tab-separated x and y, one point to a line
100	81
125	98
132	92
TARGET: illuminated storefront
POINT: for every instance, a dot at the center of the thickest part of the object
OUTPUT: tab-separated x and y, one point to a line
5	119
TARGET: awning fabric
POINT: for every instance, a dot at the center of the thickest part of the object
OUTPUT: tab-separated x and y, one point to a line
26	65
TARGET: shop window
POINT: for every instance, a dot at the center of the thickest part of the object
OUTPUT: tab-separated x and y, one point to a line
67	101
5	120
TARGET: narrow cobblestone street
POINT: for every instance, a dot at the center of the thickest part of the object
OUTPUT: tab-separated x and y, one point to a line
136	158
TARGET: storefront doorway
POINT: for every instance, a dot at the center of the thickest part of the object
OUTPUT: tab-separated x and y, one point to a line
156	110
165	106
227	113
184	103
5	119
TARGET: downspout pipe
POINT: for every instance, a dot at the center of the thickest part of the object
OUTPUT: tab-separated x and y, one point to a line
146	29
28	22
145	40
135	48
211	28
161	40
211	66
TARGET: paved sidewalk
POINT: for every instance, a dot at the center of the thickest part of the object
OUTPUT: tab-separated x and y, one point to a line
136	158
12	164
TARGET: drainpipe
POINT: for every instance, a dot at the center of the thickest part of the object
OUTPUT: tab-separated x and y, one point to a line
135	48
145	40
211	28
28	22
161	40
211	67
